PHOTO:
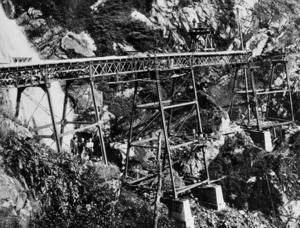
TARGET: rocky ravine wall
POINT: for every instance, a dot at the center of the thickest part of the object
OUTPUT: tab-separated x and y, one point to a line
16	209
51	40
266	27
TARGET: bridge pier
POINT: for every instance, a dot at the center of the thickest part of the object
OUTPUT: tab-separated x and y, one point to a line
64	114
166	104
180	211
270	113
56	134
18	103
97	120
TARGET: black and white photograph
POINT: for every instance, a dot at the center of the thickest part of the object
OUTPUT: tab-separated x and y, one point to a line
149	114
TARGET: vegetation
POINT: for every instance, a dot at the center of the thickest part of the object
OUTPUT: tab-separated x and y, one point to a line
248	169
71	193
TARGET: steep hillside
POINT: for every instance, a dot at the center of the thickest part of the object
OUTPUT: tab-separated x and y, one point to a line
117	26
260	188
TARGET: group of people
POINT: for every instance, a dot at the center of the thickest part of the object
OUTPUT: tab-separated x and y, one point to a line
83	149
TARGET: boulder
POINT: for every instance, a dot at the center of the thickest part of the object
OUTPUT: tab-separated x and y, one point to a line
290	212
13	201
60	54
23	19
46	52
24	218
257	44
34	13
135	15
37	23
9	8
57	29
97	4
81	43
194	162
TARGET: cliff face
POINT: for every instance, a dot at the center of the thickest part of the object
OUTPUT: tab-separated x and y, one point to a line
16	209
16	205
267	28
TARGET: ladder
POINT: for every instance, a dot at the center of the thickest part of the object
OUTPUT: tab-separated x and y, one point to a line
263	118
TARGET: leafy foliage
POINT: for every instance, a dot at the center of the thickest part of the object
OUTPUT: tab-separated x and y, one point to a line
71	193
240	161
133	212
92	205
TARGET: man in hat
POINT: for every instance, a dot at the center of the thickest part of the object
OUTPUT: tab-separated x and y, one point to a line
73	145
90	147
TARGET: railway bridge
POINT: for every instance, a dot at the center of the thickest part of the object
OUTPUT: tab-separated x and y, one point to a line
23	73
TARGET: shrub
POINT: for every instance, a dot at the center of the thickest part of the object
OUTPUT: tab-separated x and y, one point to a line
71	193
239	167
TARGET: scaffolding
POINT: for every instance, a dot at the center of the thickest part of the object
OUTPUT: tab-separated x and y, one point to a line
260	115
57	136
182	96
162	69
201	39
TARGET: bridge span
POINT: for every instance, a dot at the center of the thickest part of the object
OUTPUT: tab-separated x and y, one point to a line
29	74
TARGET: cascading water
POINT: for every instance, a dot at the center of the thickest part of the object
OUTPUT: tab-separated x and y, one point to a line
13	43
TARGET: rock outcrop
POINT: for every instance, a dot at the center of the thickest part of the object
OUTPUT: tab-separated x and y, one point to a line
45	37
9	8
81	43
16	209
51	40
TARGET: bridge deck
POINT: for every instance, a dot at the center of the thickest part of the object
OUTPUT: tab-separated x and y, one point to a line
14	75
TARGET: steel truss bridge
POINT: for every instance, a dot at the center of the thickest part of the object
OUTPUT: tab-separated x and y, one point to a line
21	75
28	74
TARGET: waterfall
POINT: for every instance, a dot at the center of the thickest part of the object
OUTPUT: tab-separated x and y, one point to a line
13	43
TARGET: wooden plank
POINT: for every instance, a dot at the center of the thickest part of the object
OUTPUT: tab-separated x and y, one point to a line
142	179
152	105
177	75
43	127
184	144
180	105
79	129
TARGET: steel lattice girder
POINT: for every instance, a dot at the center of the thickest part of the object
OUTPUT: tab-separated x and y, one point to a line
34	74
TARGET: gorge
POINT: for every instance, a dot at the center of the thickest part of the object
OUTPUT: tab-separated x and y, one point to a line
260	187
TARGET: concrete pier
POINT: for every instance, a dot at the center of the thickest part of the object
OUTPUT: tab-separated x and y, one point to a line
180	210
211	196
262	139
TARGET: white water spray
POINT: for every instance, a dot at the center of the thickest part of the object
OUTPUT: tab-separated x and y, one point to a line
13	43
